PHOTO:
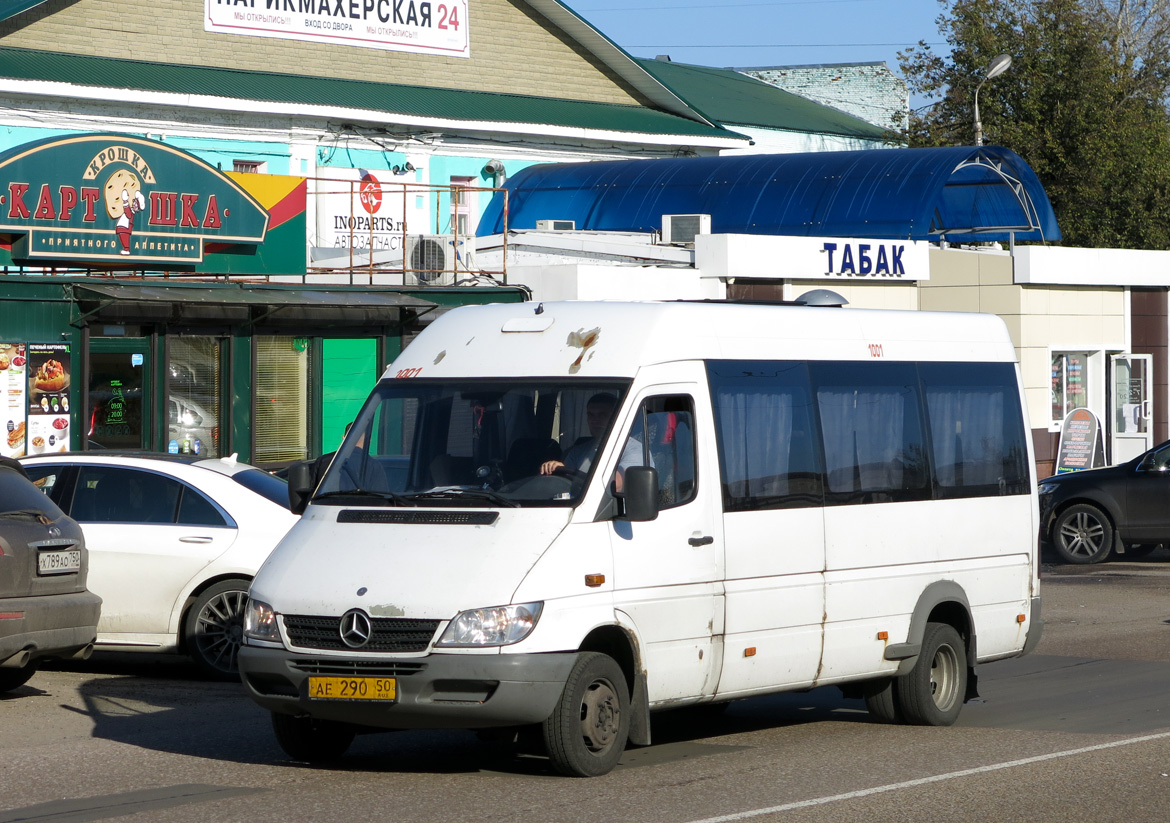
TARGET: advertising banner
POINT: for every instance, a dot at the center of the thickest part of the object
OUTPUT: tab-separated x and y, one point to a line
1081	444
120	200
48	397
12	378
420	26
360	214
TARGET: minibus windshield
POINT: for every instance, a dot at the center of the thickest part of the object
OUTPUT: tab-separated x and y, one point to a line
485	443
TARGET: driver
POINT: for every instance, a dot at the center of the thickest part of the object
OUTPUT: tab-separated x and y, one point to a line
579	457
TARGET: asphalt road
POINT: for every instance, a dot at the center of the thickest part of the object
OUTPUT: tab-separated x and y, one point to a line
1078	731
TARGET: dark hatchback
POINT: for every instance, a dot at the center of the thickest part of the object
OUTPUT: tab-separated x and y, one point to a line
45	608
1086	516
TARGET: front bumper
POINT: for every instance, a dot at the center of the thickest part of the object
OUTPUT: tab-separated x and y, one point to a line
51	625
438	691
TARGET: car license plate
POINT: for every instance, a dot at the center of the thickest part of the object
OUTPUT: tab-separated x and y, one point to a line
59	562
353	688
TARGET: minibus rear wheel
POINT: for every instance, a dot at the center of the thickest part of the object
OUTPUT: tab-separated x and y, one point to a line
311	740
932	694
587	731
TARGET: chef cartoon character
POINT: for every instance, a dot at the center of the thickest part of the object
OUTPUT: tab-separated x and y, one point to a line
123	196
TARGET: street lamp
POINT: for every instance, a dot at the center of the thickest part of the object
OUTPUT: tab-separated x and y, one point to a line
997	67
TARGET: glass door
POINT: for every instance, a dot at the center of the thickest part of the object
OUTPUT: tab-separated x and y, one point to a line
117	413
1130	399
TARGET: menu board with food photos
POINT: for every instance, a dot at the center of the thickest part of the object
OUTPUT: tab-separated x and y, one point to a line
12	378
48	397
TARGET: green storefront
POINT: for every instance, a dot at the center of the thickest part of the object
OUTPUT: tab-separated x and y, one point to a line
138	312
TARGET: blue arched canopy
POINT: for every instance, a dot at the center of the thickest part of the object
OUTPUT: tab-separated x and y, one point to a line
960	194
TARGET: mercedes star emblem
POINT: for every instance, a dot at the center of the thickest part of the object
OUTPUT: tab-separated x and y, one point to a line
355	628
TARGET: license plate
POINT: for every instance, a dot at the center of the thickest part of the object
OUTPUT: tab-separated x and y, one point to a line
353	688
60	562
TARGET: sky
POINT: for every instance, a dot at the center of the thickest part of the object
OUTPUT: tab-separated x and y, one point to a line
760	33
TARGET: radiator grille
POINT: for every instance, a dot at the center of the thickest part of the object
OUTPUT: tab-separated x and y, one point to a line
357	668
390	634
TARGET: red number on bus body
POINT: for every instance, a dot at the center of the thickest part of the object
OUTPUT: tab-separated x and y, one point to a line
875	350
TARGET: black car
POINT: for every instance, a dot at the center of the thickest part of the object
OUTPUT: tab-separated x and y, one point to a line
1088	515
45	608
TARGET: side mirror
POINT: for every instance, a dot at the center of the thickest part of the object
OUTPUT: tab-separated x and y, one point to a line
300	485
640	491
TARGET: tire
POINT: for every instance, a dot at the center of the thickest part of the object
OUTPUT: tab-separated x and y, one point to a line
214	629
587	731
310	740
881	700
1082	534
15	678
932	694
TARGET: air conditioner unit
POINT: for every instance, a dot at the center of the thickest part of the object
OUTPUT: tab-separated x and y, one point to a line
680	229
556	225
438	259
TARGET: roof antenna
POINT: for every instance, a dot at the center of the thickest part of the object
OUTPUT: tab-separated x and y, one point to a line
540	309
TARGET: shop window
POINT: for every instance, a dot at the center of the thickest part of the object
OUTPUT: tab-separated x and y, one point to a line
1070	376
281	422
194	396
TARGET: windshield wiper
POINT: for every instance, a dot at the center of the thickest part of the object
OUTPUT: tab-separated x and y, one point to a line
389	497
454	493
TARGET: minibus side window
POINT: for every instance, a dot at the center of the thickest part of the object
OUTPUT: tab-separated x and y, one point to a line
663	436
976	429
765	430
872	429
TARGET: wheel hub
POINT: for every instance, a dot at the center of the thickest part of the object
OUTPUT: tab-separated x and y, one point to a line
600	717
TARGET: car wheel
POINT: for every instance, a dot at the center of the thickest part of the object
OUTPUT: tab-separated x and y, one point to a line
1083	534
15	678
586	733
932	694
215	628
309	739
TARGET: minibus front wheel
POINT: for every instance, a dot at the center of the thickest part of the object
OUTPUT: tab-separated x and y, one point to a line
587	731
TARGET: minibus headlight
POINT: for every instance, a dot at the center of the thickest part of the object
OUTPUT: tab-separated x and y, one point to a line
260	622
493	626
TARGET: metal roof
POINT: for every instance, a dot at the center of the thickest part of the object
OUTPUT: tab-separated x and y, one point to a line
253	305
11	8
421	101
732	98
962	194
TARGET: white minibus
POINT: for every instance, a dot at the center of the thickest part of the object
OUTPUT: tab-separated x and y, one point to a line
558	518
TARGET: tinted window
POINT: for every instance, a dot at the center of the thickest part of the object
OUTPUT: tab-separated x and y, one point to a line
976	428
45	477
265	485
871	419
768	445
115	495
18	494
197	510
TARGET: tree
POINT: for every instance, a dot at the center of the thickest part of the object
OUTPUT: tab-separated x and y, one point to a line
1083	104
